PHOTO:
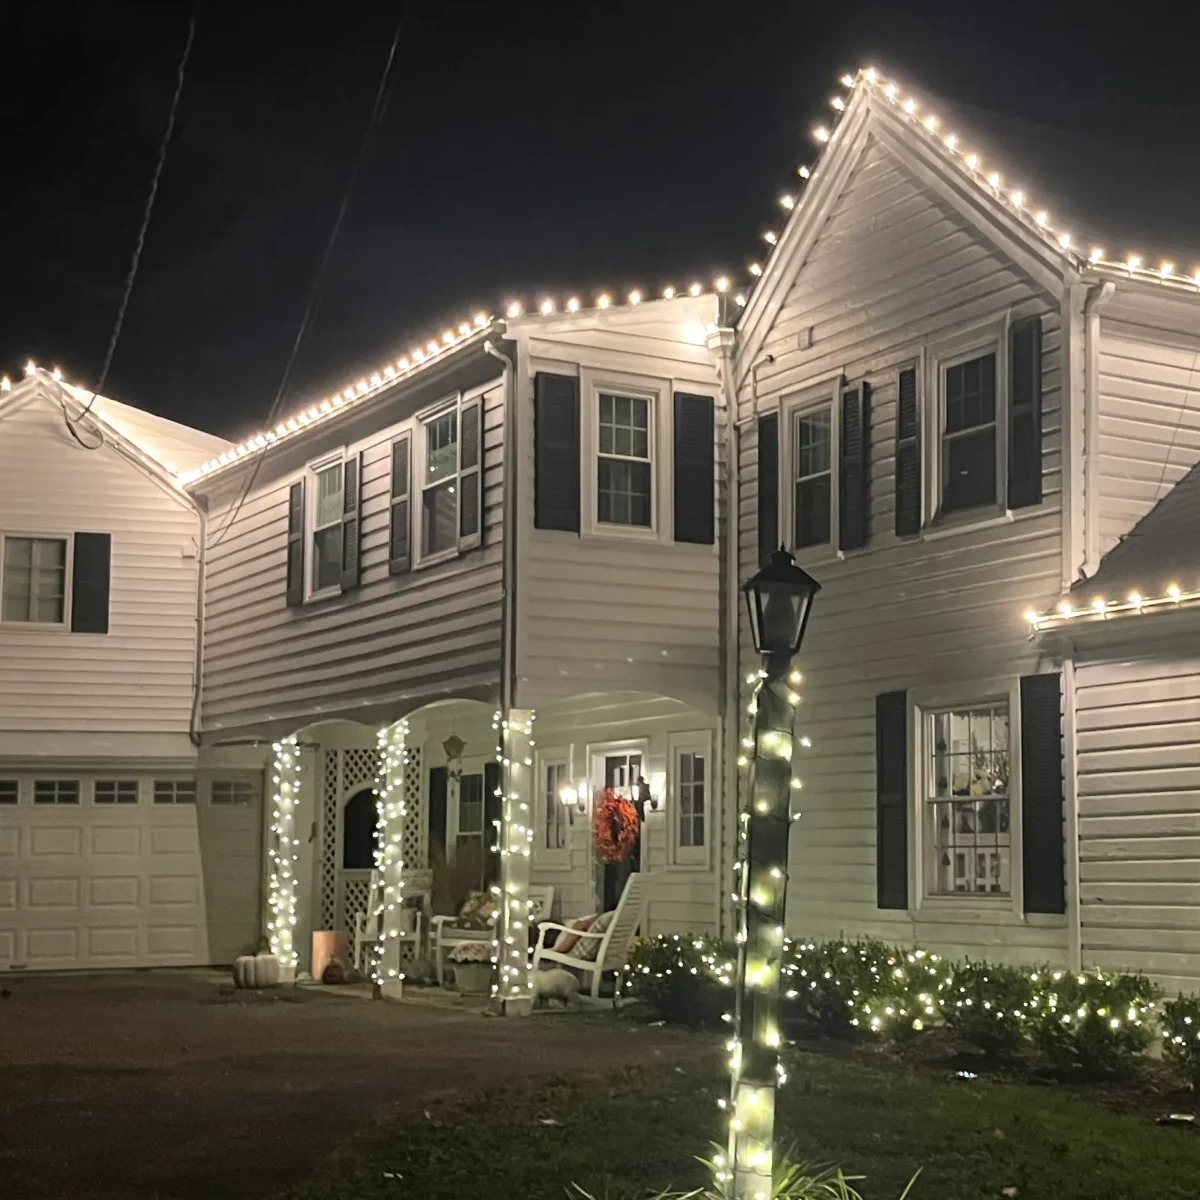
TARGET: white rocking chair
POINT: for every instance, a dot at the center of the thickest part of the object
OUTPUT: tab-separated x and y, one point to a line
369	924
446	935
615	942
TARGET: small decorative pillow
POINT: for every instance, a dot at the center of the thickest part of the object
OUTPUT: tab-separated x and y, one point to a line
568	941
588	948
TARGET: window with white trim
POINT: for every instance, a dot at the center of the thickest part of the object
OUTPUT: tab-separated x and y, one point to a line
554	780
35	580
970	445
470	808
328	492
624	460
232	791
967	818
56	791
174	791
688	801
812	462
439	483
10	791
116	791
691	798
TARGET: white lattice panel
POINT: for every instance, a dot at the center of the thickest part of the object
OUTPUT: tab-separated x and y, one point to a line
356	888
359	767
330	791
415	843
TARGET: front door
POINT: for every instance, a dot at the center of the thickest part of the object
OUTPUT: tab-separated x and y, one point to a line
621	772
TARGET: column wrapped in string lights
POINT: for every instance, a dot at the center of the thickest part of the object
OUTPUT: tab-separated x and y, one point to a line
510	988
283	852
779	598
386	970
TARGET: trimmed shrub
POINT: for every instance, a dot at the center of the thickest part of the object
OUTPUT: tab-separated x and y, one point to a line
1097	1022
844	988
987	1005
684	980
1181	1036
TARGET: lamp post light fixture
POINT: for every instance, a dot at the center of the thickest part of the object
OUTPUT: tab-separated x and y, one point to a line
779	599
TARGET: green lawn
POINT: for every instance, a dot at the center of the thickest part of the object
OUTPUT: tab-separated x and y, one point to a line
617	1138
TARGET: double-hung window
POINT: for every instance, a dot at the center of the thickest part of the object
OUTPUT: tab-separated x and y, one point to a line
554	810
624	465
966	779
450	465
969	433
688	800
34	580
328	503
812	459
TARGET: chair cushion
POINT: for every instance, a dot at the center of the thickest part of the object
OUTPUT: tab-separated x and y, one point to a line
567	942
588	948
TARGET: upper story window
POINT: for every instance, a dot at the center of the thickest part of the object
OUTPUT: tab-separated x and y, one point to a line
35	580
328	503
967	801
624	467
449	457
969	433
813	462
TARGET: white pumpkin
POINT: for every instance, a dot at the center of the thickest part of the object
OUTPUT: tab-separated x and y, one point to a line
256	971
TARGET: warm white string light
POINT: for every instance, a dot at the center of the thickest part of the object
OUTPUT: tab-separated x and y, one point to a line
510	946
386	969
1102	609
284	852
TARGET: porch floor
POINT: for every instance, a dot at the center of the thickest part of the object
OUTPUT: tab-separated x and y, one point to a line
122	1085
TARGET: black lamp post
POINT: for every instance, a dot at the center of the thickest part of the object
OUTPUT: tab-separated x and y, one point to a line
779	599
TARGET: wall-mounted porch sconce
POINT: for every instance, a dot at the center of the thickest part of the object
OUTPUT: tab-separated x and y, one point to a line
574	799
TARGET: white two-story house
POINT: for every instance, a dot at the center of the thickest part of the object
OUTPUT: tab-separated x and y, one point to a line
115	850
519	520
950	405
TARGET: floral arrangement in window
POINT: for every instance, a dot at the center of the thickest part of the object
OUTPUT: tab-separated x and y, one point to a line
471	952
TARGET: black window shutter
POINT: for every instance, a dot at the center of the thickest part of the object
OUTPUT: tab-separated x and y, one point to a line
492	812
437	811
908	455
1042	848
470	475
1025	414
295	549
695	473
556	452
854	483
90	571
399	553
768	487
891	800
351	522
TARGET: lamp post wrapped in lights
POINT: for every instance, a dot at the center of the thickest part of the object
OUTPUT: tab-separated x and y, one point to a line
779	599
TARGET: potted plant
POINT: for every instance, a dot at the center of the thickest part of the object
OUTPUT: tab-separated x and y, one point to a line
472	962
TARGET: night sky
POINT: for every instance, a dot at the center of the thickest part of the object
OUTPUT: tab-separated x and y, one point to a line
526	148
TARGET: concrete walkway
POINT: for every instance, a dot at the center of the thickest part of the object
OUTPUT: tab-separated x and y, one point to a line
165	1085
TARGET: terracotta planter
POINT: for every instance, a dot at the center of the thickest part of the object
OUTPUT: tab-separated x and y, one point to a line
473	978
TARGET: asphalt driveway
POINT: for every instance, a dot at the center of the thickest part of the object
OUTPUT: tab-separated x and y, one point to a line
165	1085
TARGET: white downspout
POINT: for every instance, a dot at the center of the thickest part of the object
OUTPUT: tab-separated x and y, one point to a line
198	670
1098	296
508	569
1071	820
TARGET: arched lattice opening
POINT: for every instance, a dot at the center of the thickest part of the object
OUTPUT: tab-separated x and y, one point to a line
360	824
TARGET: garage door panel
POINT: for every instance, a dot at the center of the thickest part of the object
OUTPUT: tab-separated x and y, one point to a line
8	945
178	839
10	843
52	893
105	840
173	941
8	895
114	891
116	943
52	946
173	890
47	841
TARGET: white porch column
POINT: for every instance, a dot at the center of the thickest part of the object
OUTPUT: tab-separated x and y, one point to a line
283	851
510	990
389	857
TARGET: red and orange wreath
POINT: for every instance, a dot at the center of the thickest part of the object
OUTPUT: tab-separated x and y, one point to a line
614	826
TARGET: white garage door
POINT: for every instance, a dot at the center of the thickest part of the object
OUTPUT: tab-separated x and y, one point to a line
127	872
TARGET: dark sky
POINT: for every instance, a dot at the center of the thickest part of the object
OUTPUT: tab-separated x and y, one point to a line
526	147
